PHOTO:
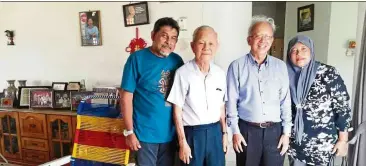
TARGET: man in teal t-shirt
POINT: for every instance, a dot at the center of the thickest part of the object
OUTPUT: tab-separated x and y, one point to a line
147	79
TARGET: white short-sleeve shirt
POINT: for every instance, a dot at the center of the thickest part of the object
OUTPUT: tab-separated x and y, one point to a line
201	97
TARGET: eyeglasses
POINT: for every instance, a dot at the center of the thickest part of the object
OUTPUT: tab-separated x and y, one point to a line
265	37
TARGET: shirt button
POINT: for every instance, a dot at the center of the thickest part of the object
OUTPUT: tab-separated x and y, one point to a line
261	91
264	113
264	102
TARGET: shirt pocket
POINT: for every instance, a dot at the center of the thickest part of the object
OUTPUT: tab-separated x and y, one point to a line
219	95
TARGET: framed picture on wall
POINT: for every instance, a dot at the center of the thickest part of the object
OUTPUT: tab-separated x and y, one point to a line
305	18
90	28
136	14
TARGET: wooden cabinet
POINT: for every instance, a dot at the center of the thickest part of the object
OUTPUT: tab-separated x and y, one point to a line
60	135
33	125
10	137
33	137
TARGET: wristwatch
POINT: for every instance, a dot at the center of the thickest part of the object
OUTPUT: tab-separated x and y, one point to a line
127	132
224	132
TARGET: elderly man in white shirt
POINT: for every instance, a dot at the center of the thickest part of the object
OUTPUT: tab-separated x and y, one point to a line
198	95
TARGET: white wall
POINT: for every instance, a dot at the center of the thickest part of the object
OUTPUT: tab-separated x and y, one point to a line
48	44
343	26
321	27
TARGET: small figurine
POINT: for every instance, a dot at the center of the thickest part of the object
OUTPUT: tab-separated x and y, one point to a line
10	35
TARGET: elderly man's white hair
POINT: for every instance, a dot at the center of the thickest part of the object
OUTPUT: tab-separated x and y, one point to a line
261	18
201	28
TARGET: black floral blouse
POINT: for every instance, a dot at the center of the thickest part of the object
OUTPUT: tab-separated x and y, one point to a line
326	112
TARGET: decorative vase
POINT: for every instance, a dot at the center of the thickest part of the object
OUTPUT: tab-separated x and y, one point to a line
22	83
11	91
82	85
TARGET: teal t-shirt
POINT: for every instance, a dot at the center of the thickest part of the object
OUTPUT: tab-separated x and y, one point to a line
150	78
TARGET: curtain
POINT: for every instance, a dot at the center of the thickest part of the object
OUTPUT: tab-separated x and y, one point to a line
357	147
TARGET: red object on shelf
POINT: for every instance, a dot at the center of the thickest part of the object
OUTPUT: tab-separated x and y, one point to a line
136	43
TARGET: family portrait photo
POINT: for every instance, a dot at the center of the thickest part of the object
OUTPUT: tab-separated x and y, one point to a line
24	95
90	28
62	99
41	98
136	14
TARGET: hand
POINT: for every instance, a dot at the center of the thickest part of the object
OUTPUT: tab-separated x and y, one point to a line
341	147
224	142
284	142
184	152
132	142
238	139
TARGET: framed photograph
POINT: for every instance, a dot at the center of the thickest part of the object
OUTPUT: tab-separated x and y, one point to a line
75	86
136	14
59	85
41	98
61	99
76	97
24	95
90	28
305	18
6	102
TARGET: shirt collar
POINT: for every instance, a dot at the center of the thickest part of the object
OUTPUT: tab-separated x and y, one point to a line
197	69
254	62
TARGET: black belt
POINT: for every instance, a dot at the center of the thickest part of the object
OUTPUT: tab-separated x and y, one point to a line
261	125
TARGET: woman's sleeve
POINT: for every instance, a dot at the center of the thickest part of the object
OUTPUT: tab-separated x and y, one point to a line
340	101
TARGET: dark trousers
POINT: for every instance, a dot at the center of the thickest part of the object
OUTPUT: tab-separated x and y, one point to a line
152	154
261	149
205	142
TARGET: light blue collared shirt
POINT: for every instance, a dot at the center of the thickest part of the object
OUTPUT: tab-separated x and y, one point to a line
258	93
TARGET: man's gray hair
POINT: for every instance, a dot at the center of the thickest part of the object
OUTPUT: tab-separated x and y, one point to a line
200	28
261	18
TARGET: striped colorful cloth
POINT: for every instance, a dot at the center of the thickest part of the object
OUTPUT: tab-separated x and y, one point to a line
99	136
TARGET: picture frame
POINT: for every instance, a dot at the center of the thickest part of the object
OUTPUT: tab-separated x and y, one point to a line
136	14
62	99
6	102
305	18
73	86
76	97
59	85
41	98
90	28
24	95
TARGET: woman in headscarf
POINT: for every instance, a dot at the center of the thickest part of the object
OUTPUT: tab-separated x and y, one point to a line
320	107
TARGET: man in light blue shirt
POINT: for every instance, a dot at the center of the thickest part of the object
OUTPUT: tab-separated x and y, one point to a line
259	103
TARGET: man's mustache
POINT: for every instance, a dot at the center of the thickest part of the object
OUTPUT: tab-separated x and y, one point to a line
166	46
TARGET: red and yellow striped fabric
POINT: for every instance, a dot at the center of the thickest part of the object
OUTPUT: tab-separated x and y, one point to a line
100	139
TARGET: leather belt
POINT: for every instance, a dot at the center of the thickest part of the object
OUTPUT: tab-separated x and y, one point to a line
261	125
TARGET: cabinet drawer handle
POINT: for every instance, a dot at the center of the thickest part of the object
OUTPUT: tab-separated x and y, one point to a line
34	144
32	126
